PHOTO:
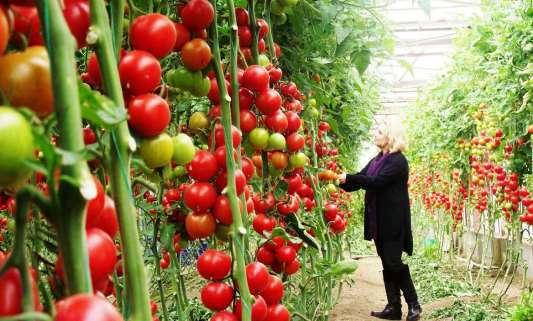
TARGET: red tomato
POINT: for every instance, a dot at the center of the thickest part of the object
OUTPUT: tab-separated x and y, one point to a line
222	209
140	72
275	74
242	16
214	265
200	225
263	27
262	223
224	316
278	312
292	267
214	93
277	122
273	292
95	206
196	54
257	277
245	36
107	220
89	137
256	78
86	307
275	243
259	309
265	256
183	35
220	154
294	122
11	291
295	142
268	101
261	46
219	136
248	167
291	206
200	196
248	120
197	14
149	115
295	182
246	98
263	205
4	31
154	33
216	296
240	181
277	50
286	254
76	13
203	166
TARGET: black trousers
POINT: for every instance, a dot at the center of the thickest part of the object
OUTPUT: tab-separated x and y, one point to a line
396	274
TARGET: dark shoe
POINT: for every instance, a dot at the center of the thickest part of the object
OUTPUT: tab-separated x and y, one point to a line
414	312
391	312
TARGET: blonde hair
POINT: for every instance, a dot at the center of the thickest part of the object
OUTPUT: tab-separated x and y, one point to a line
395	133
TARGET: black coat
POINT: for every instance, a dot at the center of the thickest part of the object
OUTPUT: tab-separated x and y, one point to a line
393	214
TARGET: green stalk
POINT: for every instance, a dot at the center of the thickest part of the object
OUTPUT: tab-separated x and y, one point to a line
270	36
117	18
69	215
238	230
158	274
122	145
254	29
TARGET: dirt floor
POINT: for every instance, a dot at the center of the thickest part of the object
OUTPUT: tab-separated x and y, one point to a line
368	294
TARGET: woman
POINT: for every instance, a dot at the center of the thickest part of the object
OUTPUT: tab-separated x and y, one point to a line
388	218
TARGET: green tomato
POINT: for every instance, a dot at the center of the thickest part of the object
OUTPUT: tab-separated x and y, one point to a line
297	160
312	102
183	149
263	60
156	151
11	226
222	232
180	171
331	188
198	120
277	8
279	19
277	141
201	85
180	78
258	138
314	112
16	139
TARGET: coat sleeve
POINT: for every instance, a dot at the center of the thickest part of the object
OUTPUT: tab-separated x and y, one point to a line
349	185
392	170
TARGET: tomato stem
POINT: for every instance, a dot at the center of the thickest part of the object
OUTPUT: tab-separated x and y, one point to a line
270	35
122	145
238	229
69	211
253	29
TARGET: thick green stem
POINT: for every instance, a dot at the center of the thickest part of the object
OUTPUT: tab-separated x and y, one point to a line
117	28
270	36
122	145
255	32
238	230
158	274
70	213
28	316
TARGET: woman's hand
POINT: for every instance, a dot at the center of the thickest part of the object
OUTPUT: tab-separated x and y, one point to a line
342	177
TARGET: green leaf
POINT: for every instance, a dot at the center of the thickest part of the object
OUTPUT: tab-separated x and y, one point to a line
361	59
389	44
43	143
346	46
295	223
98	109
36	166
167	235
70	158
407	66
342	267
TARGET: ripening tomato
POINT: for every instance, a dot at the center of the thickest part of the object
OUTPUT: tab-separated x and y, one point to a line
258	138
184	150
280	160
25	80
256	78
200	225
11	291
248	120
259	309
156	151
86	307
214	265
242	16
183	35
16	139
245	36
268	101
295	142
224	316
197	14
216	296
77	16
196	54
257	276
203	166
278	312
200	196
4	31
107	219
149	115
154	33
140	72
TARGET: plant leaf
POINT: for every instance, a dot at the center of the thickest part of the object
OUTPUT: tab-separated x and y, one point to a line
98	109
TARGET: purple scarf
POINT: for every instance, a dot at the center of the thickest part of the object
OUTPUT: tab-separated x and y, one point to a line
370	195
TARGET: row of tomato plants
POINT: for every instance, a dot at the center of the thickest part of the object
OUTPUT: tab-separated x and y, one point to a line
118	156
